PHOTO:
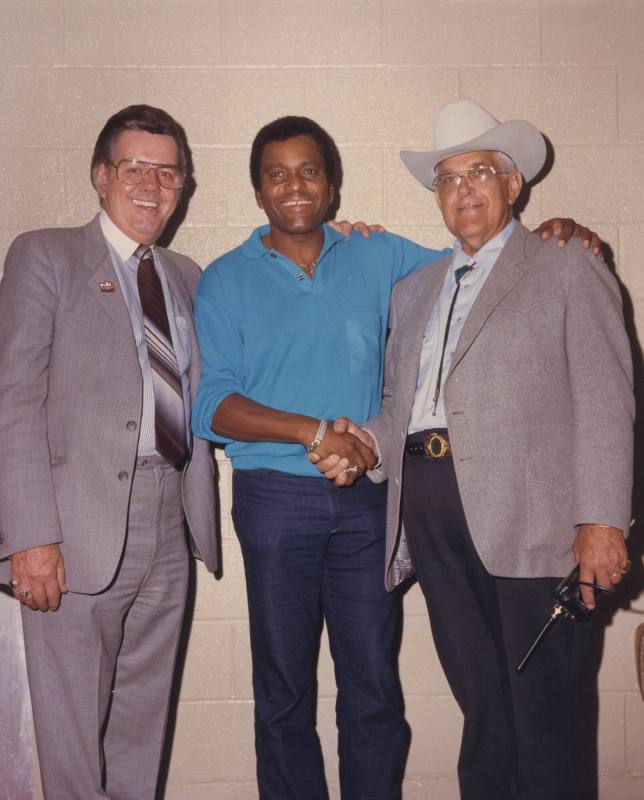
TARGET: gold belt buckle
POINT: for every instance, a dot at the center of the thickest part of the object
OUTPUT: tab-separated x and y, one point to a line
436	446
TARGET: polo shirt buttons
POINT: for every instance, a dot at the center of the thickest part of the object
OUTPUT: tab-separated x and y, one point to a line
131	425
123	476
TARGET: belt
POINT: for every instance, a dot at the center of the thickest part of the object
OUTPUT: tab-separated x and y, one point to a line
434	444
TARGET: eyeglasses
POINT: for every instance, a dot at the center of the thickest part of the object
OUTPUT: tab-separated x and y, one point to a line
132	171
475	176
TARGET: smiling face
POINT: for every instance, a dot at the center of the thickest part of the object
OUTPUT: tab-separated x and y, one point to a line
475	214
140	211
294	191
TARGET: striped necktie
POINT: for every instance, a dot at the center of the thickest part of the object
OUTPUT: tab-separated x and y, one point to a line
169	411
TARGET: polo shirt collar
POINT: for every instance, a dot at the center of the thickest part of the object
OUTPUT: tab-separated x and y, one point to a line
253	247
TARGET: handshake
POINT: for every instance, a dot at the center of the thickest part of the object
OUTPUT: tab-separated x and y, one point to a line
345	453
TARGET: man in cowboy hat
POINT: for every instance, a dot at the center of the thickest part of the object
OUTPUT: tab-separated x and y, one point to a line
508	407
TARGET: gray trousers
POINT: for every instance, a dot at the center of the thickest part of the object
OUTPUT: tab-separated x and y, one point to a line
100	668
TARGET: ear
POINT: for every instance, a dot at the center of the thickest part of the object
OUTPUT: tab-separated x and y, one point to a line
438	200
331	194
515	184
258	199
100	179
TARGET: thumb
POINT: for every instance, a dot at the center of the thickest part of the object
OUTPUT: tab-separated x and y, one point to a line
341	425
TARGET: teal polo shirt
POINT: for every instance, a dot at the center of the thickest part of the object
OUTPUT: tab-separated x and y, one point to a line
315	347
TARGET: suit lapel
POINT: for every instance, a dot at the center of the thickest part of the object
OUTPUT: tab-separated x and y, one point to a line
506	272
98	262
414	315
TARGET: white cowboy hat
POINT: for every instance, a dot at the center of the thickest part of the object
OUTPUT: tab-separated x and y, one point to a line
464	127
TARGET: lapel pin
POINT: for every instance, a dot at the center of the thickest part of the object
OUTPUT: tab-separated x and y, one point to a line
106	286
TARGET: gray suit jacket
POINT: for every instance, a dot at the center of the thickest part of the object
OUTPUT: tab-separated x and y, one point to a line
539	405
70	388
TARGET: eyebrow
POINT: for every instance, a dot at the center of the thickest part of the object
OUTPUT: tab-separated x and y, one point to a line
470	166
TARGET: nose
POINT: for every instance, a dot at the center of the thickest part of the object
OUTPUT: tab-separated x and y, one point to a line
464	186
295	181
151	179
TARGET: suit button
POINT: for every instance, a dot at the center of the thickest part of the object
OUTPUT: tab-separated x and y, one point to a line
123	476
131	425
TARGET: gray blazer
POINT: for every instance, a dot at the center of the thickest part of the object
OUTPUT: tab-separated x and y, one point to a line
539	403
71	402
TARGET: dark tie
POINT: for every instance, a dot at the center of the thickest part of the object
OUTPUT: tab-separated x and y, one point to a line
460	273
169	412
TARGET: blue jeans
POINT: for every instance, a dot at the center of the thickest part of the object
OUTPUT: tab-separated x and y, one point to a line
313	552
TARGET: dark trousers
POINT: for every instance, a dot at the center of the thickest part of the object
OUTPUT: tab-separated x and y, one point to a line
313	552
525	736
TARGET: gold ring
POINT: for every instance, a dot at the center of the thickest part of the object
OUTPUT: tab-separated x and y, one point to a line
14	584
23	594
354	468
625	568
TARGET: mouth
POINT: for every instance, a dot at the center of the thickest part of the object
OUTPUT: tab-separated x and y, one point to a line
145	203
296	202
469	206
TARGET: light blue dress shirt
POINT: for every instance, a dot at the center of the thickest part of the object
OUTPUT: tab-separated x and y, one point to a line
126	264
423	416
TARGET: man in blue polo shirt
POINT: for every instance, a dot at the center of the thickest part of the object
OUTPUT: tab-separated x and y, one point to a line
292	327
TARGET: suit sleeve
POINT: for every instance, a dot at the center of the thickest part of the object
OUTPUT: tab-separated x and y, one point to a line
28	303
382	426
601	380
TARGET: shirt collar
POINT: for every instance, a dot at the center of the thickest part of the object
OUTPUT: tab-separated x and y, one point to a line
254	247
122	244
488	254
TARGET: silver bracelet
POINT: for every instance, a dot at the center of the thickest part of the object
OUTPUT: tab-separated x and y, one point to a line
318	436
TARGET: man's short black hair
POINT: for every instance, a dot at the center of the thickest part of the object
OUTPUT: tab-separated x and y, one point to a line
137	118
287	128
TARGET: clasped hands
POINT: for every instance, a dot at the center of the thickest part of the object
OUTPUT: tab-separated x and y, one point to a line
345	453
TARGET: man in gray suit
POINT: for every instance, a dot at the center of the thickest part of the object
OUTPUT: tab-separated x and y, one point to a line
508	409
99	476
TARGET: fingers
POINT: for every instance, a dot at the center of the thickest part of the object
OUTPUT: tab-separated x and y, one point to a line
603	560
22	593
331	466
362	228
587	592
38	577
596	245
551	227
585	234
566	230
344	227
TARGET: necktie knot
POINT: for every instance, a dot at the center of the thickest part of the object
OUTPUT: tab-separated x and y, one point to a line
143	251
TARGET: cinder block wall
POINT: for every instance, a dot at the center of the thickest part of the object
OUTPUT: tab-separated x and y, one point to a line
374	72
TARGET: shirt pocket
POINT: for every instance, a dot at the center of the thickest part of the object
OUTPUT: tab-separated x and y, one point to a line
363	330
